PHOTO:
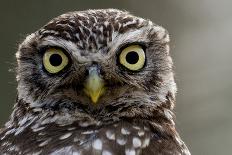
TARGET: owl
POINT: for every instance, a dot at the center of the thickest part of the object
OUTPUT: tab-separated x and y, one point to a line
94	82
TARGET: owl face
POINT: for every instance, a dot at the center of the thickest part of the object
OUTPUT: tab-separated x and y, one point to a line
103	63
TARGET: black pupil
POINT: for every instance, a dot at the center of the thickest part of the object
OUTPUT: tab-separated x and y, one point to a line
55	59
132	57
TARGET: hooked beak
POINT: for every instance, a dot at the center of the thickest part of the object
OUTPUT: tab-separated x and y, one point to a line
94	85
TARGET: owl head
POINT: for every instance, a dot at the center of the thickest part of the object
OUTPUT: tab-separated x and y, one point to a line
105	64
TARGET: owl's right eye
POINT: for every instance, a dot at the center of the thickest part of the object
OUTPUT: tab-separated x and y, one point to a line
54	60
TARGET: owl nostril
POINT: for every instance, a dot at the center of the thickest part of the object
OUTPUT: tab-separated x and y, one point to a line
96	68
86	72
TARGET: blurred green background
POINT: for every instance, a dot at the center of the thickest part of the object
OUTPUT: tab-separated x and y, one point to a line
201	46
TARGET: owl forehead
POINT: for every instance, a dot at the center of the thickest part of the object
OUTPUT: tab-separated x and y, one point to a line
92	29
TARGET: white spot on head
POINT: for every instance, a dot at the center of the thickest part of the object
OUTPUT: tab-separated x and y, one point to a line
70	129
130	152
97	144
65	136
141	133
78	140
105	152
121	141
125	131
146	128
146	142
44	143
87	132
76	153
110	135
41	133
77	36
46	121
136	142
37	153
136	127
106	23
38	129
84	124
37	109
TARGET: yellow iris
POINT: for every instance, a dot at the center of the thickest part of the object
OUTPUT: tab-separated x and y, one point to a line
54	60
132	57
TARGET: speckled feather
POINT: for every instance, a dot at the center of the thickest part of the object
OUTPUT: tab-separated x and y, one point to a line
52	115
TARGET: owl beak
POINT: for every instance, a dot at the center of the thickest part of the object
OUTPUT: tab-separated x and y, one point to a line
94	85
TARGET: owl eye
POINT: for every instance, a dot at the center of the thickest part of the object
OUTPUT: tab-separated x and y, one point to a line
54	60
132	57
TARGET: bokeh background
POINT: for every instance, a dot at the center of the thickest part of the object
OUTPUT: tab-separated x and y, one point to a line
201	45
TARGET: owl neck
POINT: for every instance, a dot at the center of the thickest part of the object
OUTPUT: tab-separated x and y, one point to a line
158	116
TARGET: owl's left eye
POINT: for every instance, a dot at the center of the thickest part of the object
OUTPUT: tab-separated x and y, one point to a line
54	60
132	57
